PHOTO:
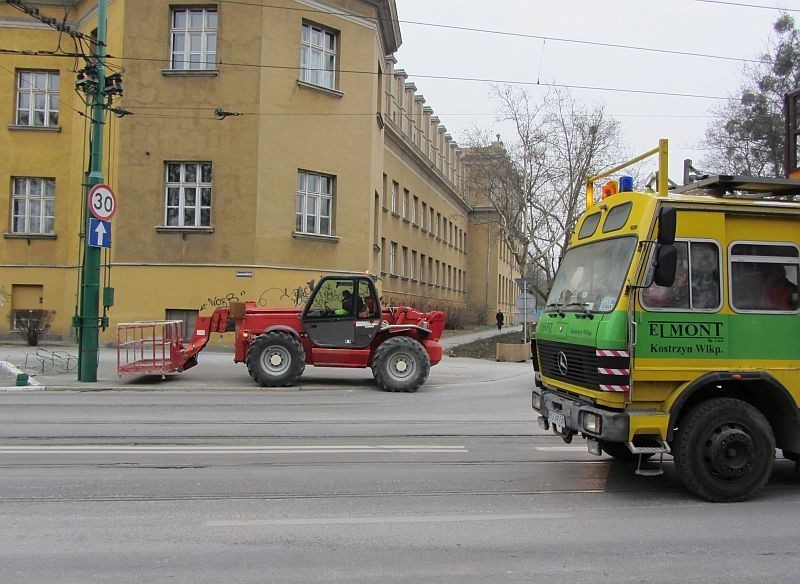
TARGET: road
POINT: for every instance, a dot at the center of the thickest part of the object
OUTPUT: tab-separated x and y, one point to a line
350	484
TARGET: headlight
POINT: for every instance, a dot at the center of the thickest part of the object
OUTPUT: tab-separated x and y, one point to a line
536	401
592	423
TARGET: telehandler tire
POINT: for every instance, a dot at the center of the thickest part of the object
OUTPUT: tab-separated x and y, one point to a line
401	364
723	450
276	359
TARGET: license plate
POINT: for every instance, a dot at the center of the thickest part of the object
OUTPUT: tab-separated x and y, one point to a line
556	419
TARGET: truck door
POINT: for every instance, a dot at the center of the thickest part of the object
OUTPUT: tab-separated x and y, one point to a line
369	313
330	315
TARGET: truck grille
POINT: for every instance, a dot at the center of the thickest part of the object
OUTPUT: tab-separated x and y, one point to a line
596	369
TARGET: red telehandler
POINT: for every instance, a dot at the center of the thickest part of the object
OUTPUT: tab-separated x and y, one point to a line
341	325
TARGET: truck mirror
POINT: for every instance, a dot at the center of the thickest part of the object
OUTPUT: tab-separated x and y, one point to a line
666	225
666	261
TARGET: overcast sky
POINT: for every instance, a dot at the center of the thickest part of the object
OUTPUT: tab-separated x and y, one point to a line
693	26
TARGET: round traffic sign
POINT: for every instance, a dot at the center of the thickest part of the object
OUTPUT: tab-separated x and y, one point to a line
102	202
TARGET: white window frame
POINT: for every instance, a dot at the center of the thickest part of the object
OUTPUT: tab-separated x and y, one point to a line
406	196
200	187
318	55
33	204
204	32
392	257
37	98
314	203
793	260
414	205
403	261
395	189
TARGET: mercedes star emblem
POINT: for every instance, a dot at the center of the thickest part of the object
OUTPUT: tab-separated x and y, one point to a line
563	365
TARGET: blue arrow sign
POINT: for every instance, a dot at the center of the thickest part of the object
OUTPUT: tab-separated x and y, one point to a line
99	233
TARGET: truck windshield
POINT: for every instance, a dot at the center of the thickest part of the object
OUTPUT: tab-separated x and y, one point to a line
591	276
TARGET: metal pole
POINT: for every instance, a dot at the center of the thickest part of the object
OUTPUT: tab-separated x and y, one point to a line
525	313
88	318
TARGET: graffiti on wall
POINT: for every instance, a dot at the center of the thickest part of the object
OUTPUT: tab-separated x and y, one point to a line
223	300
270	297
279	296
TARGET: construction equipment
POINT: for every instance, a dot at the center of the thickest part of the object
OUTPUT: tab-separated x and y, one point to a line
341	325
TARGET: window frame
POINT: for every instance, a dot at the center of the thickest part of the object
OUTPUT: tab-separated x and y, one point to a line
205	31
302	210
42	199
782	260
720	279
320	75
199	185
51	98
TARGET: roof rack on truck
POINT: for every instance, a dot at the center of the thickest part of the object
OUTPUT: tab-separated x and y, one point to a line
754	187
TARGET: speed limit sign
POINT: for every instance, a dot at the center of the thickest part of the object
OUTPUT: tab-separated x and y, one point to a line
102	202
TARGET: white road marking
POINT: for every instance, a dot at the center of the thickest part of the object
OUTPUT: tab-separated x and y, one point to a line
387	519
243	449
561	448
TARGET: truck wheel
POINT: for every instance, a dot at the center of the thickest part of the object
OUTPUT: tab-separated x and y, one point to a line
275	359
724	449
401	364
620	452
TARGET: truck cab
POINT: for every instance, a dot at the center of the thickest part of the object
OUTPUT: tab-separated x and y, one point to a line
672	327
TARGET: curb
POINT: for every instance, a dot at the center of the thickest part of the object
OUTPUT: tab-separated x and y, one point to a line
31	385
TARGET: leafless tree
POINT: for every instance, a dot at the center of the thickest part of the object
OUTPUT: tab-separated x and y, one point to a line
535	179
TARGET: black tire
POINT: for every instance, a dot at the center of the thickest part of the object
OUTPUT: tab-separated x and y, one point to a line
723	450
620	452
276	359
401	364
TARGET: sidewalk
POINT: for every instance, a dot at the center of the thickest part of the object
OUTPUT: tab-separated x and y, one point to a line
54	367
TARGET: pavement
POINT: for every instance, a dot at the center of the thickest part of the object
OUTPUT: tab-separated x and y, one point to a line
52	366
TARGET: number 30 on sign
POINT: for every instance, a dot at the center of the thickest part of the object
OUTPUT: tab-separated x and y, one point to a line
102	202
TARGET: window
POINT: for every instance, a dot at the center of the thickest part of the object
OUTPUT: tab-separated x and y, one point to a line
314	211
318	56
424	213
405	203
764	277
404	262
413	265
697	281
33	205
414	207
422	268
194	39
188	316
589	226
188	194
37	99
617	217
392	257
395	188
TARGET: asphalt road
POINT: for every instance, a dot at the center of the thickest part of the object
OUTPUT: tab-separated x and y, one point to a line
344	483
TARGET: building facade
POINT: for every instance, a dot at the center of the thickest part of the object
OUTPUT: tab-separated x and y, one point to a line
256	148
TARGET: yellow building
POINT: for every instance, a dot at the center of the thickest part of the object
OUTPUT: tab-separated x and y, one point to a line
257	147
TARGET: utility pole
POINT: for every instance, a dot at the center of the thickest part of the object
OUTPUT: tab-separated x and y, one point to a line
88	320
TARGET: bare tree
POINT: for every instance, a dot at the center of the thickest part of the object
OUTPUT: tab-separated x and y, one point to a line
535	180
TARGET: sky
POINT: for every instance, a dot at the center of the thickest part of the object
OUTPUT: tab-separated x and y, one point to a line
736	30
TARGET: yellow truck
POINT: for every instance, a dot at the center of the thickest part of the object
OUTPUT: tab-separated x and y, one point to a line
673	327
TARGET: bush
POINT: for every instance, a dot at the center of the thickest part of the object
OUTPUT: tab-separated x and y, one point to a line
32	324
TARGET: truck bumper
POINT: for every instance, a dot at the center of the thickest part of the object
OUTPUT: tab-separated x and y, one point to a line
572	415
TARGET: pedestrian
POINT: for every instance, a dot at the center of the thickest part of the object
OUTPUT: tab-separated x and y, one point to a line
500	319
